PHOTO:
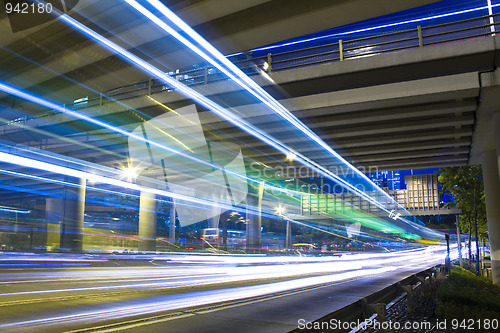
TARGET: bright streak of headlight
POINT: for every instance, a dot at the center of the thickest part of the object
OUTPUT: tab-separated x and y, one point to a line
346	268
173	302
44	166
63	109
419	258
66	110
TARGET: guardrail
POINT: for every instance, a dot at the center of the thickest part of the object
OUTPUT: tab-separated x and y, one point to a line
341	50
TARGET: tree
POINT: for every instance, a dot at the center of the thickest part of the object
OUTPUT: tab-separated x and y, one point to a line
466	186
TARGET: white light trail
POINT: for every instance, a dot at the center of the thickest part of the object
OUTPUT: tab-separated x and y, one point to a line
423	19
249	85
66	110
492	19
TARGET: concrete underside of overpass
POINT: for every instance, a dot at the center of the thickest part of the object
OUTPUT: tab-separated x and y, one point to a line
232	26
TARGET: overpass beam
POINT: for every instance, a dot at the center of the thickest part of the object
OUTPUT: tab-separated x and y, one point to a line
491	175
147	222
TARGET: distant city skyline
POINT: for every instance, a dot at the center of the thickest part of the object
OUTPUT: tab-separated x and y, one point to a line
389	179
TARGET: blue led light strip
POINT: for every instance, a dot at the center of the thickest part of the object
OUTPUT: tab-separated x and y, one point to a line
245	82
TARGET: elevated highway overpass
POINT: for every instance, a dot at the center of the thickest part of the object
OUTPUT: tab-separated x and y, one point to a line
186	293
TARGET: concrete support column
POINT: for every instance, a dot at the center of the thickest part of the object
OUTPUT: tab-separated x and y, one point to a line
288	240
254	218
73	213
492	198
147	222
171	230
459	240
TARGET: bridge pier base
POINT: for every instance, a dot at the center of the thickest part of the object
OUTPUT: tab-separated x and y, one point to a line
53	214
